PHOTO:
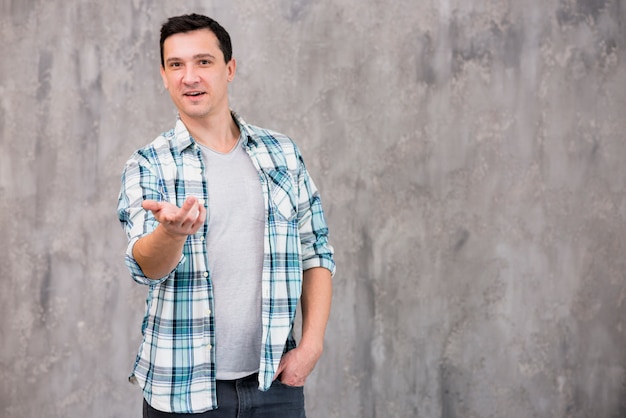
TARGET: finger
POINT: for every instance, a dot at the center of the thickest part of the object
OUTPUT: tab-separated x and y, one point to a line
197	218
181	216
291	379
190	202
150	205
188	208
201	213
194	213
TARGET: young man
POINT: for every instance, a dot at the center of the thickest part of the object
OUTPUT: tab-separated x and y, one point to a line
226	229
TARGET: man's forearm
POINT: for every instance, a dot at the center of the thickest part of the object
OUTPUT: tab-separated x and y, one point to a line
158	253
315	302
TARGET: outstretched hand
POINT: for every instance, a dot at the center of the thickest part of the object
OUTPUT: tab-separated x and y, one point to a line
185	220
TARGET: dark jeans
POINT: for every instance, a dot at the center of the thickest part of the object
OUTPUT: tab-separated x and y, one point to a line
241	398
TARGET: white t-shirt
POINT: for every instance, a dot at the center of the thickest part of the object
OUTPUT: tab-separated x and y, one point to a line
236	222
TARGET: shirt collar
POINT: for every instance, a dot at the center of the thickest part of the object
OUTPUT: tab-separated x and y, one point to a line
184	140
182	136
249	137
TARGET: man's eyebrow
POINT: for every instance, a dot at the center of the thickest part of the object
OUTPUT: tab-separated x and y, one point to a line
197	56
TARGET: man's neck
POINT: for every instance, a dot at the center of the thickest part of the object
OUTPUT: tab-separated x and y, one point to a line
217	132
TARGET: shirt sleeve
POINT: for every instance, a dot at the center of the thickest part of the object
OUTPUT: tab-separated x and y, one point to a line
316	251
139	182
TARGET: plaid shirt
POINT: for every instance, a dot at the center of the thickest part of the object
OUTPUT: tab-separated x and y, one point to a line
175	364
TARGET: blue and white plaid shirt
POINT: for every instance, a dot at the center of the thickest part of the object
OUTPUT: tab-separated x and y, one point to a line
175	364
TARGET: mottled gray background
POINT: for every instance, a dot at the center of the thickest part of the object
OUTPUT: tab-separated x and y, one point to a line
471	159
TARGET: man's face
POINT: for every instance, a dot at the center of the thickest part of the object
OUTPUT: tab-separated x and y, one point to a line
195	73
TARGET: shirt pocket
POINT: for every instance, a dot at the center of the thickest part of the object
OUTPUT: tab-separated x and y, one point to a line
282	194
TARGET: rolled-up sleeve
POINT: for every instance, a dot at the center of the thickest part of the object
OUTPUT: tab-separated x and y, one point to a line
316	250
139	182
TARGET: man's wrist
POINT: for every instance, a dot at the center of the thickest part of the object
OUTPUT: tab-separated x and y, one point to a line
312	347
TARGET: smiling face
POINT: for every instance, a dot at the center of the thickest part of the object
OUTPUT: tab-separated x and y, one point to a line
196	75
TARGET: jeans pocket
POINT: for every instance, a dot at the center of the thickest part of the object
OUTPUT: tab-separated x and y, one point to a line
285	385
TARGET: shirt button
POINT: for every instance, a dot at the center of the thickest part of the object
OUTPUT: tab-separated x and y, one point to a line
206	274
208	312
209	347
201	201
202	238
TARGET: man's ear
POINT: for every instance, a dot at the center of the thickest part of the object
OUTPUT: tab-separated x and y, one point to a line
231	66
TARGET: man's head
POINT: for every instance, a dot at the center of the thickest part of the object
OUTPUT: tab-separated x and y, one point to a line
197	66
192	22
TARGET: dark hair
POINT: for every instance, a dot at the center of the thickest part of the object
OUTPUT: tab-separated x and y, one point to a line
188	23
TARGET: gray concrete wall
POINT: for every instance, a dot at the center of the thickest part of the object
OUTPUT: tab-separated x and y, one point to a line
471	159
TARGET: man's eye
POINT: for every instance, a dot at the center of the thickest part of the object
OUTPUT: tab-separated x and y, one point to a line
205	62
175	64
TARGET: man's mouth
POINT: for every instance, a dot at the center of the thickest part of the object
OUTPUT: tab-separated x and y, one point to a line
194	93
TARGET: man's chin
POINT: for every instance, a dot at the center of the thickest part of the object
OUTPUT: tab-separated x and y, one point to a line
194	113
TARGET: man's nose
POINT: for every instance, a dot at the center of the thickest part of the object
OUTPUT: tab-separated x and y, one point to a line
191	75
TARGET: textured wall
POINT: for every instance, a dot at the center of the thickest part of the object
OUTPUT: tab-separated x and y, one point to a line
471	159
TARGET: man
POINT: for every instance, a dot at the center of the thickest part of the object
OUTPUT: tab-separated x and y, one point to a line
226	229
